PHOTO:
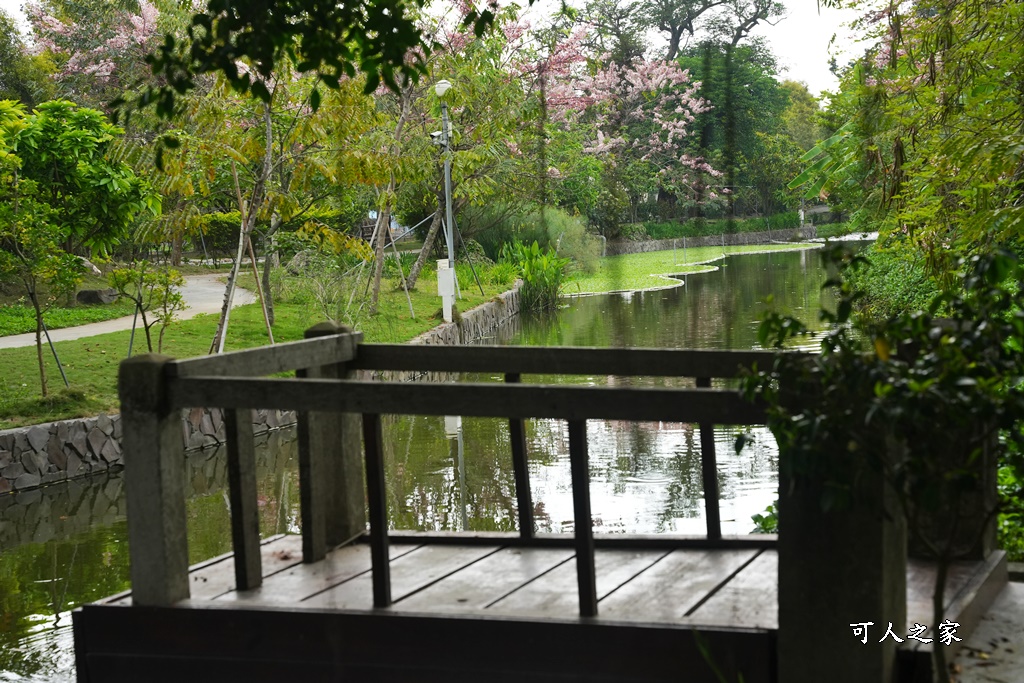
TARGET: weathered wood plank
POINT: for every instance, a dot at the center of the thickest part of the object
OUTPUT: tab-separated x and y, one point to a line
583	523
216	576
669	588
337	438
709	471
520	468
468	399
312	483
602	541
750	599
301	580
553	594
409	573
154	482
487	581
245	517
566	360
377	498
267	360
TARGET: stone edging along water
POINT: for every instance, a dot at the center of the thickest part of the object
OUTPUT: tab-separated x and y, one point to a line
69	449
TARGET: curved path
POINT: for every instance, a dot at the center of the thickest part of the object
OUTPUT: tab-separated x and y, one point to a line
202	294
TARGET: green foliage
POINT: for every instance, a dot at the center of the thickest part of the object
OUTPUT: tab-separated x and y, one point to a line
700	227
391	265
919	398
894	281
24	77
542	271
220	230
501	274
65	150
900	377
767	523
156	293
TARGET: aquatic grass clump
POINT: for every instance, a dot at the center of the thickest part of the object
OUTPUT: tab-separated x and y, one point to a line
543	273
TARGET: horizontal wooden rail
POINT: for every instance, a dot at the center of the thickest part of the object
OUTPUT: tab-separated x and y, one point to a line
639	404
267	360
602	541
563	360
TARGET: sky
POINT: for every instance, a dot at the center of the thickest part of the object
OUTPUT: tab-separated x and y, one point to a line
800	40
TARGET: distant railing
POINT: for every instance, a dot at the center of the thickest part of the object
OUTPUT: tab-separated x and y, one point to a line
334	409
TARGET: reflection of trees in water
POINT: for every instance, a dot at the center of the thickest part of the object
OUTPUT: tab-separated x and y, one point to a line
424	487
719	309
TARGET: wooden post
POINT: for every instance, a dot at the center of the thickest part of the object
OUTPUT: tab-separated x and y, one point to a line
839	568
154	458
331	484
245	519
584	529
709	472
520	466
377	494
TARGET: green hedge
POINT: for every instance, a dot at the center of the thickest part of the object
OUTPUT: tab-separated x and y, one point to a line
698	227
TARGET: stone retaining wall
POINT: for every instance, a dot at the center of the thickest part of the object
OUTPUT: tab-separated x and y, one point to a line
47	513
734	239
48	453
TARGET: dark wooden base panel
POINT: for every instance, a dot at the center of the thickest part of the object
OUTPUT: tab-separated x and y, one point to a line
217	643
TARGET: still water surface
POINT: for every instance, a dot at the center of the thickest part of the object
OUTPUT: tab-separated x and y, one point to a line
66	545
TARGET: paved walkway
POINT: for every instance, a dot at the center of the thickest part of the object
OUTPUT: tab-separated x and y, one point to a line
202	293
995	651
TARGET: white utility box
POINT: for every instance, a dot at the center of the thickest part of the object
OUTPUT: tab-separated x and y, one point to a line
446	288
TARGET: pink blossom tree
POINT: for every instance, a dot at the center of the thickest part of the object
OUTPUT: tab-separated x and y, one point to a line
99	48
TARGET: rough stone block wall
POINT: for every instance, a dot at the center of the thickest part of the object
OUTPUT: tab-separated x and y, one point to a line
740	238
56	451
46	513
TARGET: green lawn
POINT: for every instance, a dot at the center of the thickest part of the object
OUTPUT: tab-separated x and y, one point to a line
652	269
91	363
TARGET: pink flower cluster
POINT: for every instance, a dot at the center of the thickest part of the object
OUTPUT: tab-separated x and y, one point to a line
96	51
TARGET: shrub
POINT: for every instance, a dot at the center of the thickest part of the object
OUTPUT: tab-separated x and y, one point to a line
542	271
391	265
502	274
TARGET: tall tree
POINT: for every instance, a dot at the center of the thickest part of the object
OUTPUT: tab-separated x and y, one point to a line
676	19
60	195
23	76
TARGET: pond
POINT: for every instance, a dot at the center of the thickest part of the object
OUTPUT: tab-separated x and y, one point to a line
66	545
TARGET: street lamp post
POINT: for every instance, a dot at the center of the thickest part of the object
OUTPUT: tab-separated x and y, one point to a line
441	87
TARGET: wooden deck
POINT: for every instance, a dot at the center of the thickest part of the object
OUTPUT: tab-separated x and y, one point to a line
318	619
351	600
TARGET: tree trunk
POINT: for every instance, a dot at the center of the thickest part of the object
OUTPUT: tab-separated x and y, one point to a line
248	222
39	340
673	43
383	229
176	244
428	245
269	262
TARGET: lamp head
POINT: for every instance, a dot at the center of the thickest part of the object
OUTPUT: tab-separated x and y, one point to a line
441	87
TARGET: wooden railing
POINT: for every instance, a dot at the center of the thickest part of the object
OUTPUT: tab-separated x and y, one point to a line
333	409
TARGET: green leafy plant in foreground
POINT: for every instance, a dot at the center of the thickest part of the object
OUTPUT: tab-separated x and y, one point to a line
542	271
880	389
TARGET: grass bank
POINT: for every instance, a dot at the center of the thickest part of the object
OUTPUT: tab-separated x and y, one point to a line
91	363
652	270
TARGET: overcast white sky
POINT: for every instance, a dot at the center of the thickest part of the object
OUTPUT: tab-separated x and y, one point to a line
800	41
